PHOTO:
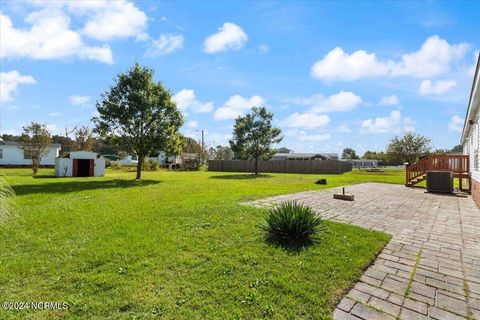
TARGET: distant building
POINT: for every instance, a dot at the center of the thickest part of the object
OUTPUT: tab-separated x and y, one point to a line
80	164
471	134
12	154
305	156
363	163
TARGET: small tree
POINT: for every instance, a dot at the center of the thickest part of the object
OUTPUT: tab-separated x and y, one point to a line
254	134
349	153
409	147
83	139
35	142
140	115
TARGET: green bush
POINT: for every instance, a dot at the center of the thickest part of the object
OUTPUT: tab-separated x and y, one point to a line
145	164
292	223
154	166
116	165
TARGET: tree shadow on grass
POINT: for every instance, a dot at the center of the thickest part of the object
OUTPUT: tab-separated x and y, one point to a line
74	186
246	176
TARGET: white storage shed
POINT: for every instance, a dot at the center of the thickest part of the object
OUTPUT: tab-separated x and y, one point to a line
80	164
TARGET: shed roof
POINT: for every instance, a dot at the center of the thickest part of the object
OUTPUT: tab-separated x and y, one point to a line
74	153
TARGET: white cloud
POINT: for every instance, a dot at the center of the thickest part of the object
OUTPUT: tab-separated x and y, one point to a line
54	114
437	89
389	101
456	124
229	36
80	101
186	100
107	20
263	48
49	37
340	102
306	120
338	65
394	122
164	45
343	129
192	124
303	135
236	106
53	128
9	82
434	58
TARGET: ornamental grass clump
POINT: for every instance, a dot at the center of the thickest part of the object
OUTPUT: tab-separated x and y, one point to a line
292	223
6	195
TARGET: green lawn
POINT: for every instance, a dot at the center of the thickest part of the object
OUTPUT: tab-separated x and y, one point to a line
176	245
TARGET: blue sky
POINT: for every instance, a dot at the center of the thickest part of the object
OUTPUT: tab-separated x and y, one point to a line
336	74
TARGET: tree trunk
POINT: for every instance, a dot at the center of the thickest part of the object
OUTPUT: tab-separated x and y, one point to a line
139	168
35	166
256	166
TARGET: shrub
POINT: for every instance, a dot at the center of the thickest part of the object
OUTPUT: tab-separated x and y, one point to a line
321	181
154	166
6	194
145	164
116	165
292	223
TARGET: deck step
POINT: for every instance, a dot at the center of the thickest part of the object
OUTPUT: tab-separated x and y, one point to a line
413	182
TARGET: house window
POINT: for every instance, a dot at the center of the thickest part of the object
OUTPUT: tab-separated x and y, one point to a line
27	154
1	153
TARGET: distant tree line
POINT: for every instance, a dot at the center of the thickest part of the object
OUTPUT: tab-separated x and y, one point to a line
402	149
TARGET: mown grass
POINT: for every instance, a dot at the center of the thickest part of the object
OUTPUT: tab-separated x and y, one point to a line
177	245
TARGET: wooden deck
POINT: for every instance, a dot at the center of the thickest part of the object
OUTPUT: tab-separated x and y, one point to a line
459	165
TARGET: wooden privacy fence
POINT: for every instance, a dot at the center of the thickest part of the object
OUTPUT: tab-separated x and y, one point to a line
281	166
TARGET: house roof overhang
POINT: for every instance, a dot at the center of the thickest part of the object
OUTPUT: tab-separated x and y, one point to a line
473	103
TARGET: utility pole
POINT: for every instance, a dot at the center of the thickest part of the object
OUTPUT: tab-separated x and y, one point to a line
203	148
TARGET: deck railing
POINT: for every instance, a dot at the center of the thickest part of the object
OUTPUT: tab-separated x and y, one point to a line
458	164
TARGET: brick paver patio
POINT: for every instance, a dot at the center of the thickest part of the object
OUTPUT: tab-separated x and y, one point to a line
431	267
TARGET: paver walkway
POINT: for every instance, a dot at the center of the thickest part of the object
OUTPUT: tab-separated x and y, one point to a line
431	267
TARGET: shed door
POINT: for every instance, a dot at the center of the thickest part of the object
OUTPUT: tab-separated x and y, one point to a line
92	168
75	168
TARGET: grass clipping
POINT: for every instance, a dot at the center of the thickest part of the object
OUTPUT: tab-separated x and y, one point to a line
6	202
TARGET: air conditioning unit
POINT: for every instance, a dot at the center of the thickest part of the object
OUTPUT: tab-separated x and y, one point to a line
440	181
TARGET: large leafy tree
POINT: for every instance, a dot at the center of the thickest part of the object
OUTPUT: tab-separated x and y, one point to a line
140	115
35	142
349	153
254	134
409	147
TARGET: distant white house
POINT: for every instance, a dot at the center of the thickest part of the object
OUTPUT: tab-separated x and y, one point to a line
305	156
12	154
363	163
80	164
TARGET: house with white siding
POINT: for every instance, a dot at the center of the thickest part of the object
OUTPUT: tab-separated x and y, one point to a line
12	154
471	134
